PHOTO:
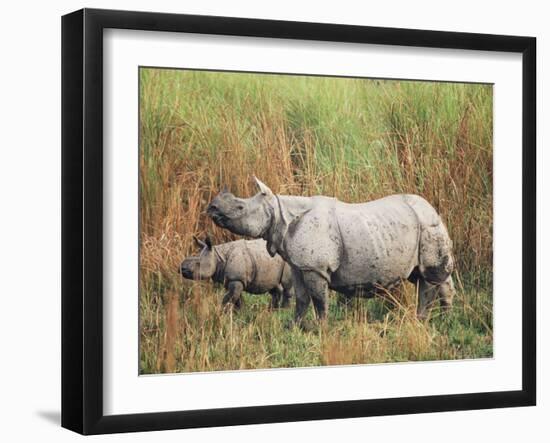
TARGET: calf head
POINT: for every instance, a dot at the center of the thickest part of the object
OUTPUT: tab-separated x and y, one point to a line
202	266
243	216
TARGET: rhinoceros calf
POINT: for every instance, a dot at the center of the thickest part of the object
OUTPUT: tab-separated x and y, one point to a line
241	265
350	248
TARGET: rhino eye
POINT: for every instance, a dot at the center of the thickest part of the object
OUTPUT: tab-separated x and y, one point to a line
240	207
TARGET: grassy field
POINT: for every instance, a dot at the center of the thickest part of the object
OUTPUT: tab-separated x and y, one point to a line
355	139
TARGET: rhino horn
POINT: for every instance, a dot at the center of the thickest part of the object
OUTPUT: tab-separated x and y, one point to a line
208	242
264	189
225	189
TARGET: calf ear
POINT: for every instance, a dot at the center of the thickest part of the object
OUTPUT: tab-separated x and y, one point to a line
208	242
264	189
199	242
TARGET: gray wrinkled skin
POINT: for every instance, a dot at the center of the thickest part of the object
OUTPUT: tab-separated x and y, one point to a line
354	249
241	265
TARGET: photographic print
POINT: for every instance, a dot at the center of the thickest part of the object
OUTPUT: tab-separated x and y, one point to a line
291	221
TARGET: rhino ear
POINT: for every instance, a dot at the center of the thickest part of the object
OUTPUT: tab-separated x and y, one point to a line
199	242
208	242
264	189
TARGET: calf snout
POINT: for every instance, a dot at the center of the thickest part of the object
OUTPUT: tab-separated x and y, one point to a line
185	271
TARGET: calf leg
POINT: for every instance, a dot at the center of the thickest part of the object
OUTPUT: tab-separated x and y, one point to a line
276	295
233	294
238	303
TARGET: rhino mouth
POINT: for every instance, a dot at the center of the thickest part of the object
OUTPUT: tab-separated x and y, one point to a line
220	219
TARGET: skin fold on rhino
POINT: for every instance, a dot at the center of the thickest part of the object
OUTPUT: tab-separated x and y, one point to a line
354	249
242	265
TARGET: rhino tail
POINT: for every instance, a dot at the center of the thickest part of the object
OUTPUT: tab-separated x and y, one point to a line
435	256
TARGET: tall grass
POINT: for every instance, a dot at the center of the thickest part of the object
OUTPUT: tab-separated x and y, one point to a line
355	139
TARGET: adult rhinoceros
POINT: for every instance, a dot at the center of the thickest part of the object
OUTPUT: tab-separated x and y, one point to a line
350	248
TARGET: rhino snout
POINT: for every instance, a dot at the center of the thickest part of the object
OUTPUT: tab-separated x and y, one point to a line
212	210
216	214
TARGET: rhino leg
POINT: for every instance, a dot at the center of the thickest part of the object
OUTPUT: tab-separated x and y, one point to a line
287	295
427	296
302	297
233	294
317	287
446	294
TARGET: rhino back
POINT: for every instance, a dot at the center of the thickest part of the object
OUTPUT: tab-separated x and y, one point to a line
236	266
380	242
249	262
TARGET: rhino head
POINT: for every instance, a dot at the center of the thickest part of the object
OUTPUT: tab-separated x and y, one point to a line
243	216
202	266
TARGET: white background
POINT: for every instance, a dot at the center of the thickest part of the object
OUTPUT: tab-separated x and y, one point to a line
30	219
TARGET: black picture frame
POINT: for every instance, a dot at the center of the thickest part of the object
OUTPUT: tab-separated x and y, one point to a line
82	220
